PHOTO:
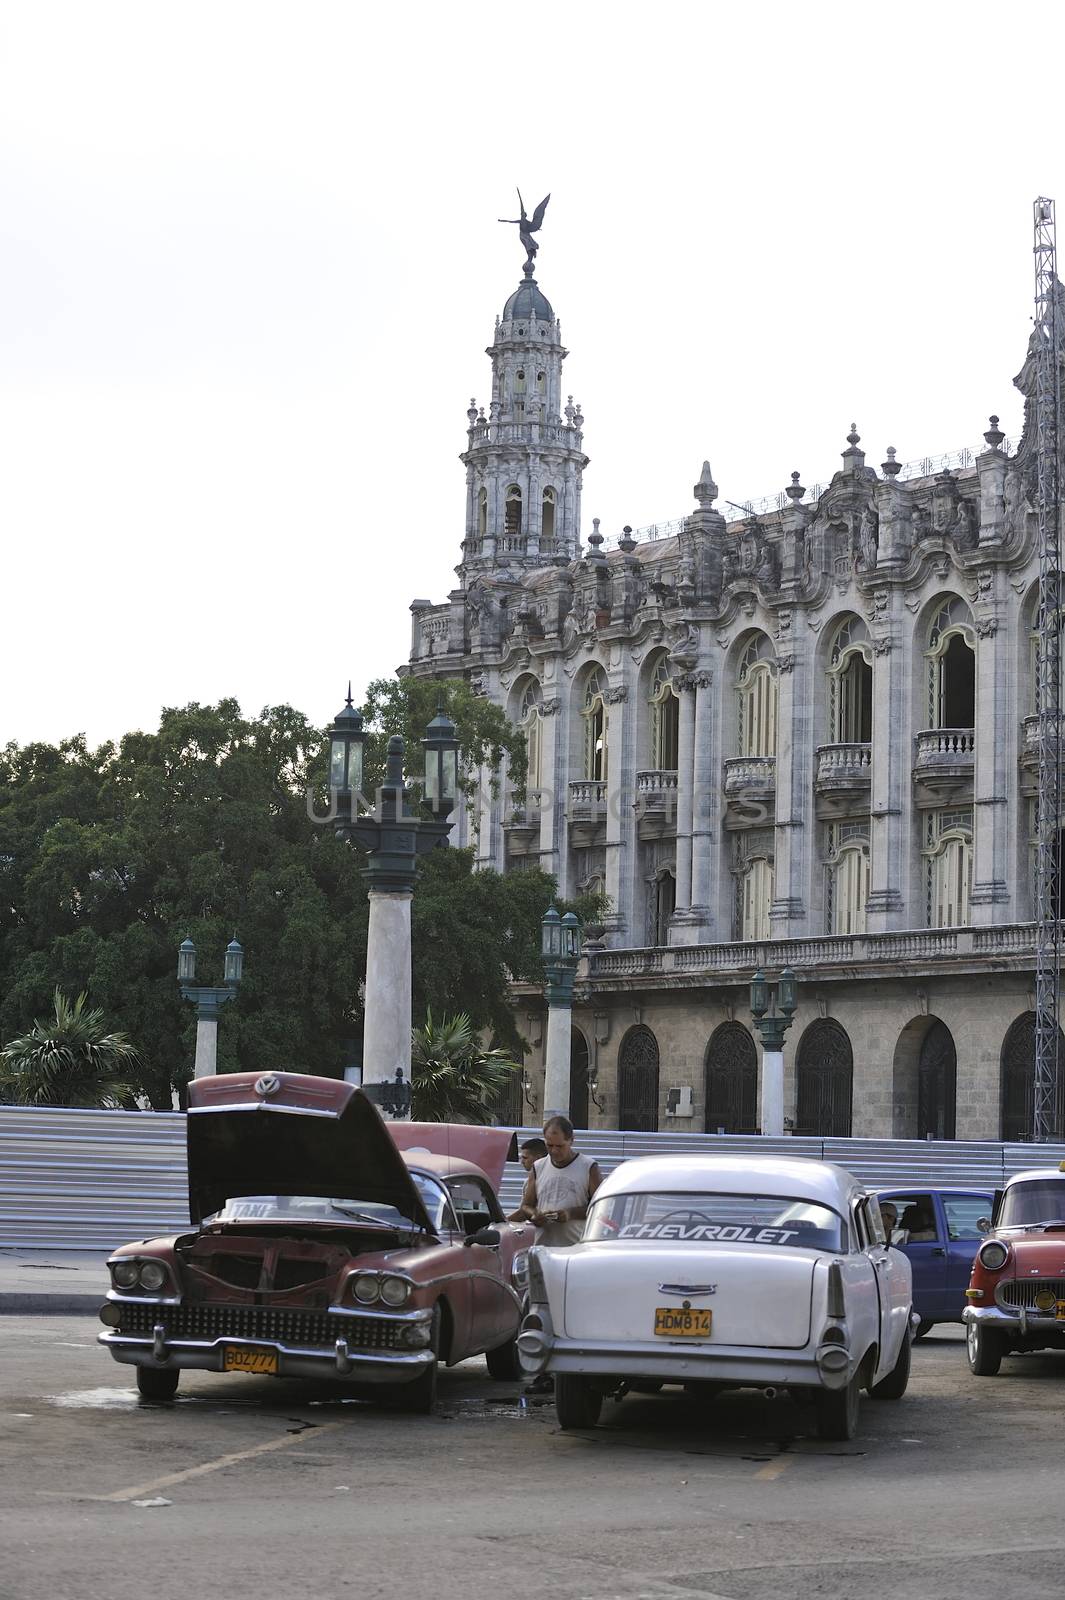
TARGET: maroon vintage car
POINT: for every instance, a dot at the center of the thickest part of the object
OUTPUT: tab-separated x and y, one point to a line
1016	1293
321	1250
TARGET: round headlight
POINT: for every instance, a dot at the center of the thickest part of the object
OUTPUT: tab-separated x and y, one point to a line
124	1273
152	1274
993	1255
395	1291
1046	1300
366	1289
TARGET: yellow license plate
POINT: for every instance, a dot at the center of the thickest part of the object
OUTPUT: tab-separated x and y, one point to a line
672	1322
1061	1310
237	1360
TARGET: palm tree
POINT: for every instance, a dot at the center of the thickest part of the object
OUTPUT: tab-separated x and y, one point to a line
452	1078
67	1061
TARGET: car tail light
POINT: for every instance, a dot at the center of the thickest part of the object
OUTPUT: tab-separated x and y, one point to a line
537	1282
836	1304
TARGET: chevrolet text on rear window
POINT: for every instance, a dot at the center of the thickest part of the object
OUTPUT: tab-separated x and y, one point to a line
694	1218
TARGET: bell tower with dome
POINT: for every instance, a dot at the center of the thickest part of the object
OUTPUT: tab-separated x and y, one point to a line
524	459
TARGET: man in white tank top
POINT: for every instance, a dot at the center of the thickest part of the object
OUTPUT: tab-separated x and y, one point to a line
559	1187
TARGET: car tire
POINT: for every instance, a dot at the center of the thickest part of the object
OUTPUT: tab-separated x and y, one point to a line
158	1383
984	1349
419	1395
577	1404
924	1327
503	1361
837	1410
893	1387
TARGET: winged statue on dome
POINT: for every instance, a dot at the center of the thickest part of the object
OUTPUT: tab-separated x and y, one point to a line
526	227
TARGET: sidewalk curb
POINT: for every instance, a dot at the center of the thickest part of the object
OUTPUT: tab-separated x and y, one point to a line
13	1304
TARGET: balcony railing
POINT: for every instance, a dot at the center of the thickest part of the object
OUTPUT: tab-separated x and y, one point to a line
747	776
587	800
1030	747
945	754
909	948
843	766
655	788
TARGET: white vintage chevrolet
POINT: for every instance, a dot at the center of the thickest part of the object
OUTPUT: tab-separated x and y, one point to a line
749	1272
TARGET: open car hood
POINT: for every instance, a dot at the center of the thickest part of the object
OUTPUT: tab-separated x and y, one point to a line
487	1148
291	1133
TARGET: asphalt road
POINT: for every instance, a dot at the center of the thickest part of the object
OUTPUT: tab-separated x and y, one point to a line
251	1487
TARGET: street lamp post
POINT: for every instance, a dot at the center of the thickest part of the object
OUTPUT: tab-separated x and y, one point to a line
560	946
393	836
208	1001
772	1013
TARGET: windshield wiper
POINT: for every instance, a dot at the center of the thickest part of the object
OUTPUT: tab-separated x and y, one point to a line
360	1216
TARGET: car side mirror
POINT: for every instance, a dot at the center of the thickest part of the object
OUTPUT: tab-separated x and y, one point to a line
983	1224
485	1236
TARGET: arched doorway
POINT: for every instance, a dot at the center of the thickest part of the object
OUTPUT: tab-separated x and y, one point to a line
731	1081
937	1084
638	1081
1018	1081
578	1079
825	1074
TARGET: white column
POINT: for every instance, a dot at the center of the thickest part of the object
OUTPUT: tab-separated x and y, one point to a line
206	1046
557	1060
685	792
991	776
773	1093
706	818
386	1030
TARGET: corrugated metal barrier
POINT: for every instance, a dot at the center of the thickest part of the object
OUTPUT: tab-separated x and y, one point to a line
95	1179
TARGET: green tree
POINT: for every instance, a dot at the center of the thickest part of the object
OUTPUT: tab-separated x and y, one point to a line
69	1060
453	1078
407	705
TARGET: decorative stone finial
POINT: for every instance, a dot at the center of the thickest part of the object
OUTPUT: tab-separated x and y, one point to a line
994	435
854	437
595	538
795	491
472	412
705	490
569	409
627	542
891	468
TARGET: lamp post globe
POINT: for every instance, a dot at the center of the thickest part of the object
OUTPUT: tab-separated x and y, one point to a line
347	740
441	746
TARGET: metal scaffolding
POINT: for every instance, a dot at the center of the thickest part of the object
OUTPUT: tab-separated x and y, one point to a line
1046	1100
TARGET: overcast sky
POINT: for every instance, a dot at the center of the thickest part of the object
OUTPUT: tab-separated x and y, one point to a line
250	262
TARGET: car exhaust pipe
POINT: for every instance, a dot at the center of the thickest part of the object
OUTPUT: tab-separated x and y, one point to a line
770	1393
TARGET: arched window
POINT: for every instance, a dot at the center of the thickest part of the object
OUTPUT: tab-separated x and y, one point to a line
850	685
848	883
757	686
530	720
519	381
512	524
665	718
949	867
1018	1081
756	897
824	1073
547	520
951	658
937	1084
731	1074
594	714
482	513
578	1079
638	1081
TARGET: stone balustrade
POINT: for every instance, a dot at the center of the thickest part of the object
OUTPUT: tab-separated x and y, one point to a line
829	956
949	748
843	766
749	777
587	798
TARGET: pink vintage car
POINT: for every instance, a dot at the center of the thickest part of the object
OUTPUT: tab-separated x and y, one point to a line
321	1250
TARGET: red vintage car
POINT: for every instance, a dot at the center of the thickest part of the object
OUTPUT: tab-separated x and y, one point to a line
321	1250
1016	1294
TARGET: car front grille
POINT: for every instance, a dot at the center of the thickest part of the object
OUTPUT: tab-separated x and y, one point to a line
279	1325
1022	1291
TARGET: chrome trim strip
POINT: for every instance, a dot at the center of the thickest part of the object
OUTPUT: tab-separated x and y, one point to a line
261	1105
325	1353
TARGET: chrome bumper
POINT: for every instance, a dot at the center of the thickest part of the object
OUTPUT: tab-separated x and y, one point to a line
1014	1319
723	1364
208	1355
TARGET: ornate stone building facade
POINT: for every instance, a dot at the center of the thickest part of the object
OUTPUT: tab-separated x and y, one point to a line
803	736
